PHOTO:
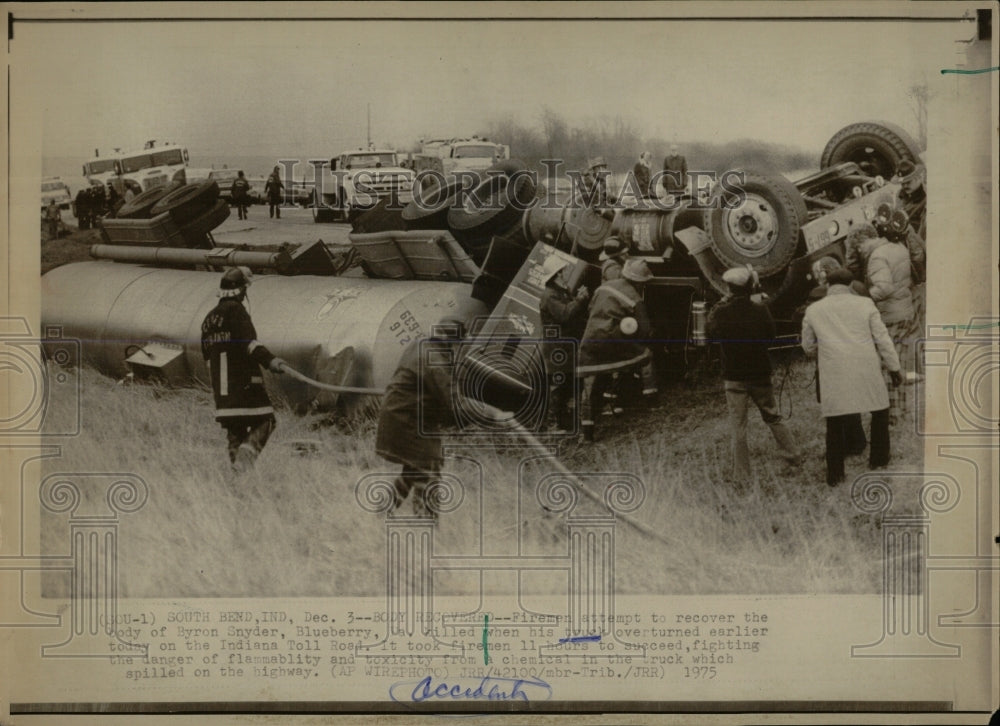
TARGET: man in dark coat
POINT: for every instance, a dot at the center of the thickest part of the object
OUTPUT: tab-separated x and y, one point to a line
230	347
418	405
675	171
745	329
240	192
615	338
561	308
593	188
273	189
641	172
53	219
913	195
81	207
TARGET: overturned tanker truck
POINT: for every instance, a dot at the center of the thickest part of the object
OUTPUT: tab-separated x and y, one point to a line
471	252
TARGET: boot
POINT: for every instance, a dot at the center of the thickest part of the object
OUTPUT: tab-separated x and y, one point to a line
244	460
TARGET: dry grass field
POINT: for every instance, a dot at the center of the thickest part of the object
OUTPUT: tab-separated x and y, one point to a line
293	526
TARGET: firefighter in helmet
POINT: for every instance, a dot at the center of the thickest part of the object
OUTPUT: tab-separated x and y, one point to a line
234	355
615	339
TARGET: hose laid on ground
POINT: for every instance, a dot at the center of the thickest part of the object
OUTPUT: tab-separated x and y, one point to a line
635	524
329	386
512	423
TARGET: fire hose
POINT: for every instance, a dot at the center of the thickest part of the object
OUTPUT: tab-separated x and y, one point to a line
329	386
508	420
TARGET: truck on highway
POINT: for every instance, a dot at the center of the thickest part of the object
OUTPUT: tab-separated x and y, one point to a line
446	156
152	167
356	181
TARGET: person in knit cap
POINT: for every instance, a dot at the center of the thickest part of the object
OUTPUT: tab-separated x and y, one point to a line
745	330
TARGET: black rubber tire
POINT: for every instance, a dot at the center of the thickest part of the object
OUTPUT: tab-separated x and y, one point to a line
495	205
383	217
790	210
142	204
188	202
876	147
432	212
194	231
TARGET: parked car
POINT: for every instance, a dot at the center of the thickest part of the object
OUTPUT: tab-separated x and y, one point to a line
54	188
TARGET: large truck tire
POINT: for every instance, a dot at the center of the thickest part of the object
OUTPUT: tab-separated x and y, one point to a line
876	147
142	204
188	202
431	211
495	205
386	216
763	230
195	230
322	214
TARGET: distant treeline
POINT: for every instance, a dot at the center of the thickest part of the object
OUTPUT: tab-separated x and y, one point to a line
620	143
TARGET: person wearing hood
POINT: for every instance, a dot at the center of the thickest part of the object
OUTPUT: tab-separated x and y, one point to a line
745	330
561	308
422	401
846	333
234	355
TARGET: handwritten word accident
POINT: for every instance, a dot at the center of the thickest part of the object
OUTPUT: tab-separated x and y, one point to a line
487	688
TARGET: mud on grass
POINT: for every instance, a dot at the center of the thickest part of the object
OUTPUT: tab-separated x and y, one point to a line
293	527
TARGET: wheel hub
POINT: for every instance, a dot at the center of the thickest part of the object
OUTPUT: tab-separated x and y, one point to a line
753	226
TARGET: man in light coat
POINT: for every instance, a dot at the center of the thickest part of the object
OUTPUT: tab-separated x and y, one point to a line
888	282
850	339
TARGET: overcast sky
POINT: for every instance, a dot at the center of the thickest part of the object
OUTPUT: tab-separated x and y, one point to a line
300	89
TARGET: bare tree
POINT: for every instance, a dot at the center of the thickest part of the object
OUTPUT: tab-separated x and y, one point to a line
920	95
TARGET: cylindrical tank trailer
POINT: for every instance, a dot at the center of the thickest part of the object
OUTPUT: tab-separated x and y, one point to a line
116	309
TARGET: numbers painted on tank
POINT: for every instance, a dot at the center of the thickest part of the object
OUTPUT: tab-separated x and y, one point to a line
405	327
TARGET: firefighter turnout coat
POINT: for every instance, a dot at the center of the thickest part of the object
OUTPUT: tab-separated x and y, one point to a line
603	339
230	347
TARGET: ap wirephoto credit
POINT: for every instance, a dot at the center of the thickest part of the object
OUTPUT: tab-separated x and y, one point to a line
562	361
